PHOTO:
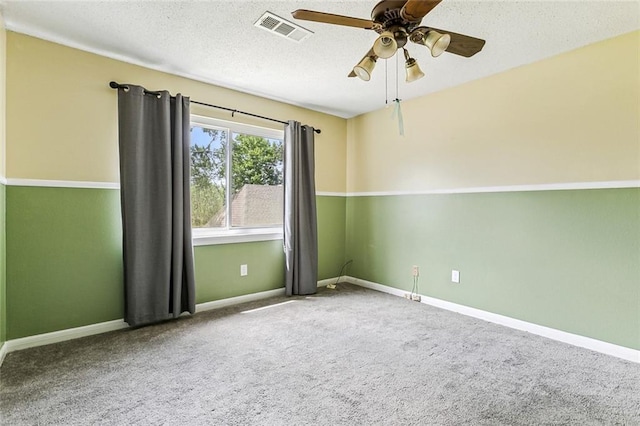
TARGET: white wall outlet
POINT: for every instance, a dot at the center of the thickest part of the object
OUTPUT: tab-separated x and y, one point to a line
244	270
455	276
415	271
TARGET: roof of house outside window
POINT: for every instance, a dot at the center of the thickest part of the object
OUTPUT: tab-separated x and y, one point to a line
254	205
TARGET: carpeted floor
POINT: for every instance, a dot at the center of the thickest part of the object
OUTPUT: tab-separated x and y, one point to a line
343	357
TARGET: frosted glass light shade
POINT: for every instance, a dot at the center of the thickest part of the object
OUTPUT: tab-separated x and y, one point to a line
437	42
365	67
385	46
413	70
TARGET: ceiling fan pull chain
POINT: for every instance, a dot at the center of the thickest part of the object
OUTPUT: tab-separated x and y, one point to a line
397	73
386	84
397	110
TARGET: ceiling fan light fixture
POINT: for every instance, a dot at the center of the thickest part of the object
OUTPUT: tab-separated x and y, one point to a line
436	42
365	67
413	70
385	46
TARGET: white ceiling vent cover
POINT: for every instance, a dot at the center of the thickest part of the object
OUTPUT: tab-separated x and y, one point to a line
280	26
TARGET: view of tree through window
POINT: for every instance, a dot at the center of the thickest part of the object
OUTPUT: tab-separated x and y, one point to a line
208	175
254	180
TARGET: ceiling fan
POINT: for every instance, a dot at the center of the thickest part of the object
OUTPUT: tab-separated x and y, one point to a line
398	21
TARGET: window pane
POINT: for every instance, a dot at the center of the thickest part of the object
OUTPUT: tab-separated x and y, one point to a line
208	182
256	179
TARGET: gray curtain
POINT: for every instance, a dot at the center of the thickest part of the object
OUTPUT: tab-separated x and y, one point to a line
300	220
154	132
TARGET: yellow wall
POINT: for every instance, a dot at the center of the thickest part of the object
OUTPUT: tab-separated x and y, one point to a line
3	81
571	118
63	116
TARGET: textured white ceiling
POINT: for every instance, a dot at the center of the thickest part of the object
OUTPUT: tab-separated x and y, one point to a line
216	42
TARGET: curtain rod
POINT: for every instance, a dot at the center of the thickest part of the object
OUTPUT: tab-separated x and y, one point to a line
115	85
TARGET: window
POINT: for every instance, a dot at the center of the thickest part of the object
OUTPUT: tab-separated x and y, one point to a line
236	180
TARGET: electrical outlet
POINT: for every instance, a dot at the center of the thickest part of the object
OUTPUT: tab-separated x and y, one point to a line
415	297
244	270
415	271
455	276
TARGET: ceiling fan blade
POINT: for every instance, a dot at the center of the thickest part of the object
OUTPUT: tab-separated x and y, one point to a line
415	10
329	18
461	44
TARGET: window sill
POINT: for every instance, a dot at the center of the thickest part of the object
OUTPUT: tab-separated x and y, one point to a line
208	237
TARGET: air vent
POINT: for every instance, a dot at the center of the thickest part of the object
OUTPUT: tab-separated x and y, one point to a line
277	25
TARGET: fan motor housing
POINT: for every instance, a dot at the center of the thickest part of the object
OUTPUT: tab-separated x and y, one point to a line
387	14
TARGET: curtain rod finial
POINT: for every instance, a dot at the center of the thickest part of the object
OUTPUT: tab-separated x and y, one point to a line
113	85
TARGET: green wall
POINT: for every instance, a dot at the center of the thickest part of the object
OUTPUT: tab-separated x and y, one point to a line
64	262
331	235
218	266
568	259
3	269
218	269
64	259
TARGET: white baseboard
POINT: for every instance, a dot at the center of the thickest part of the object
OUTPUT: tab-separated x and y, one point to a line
326	282
562	336
3	352
103	327
550	333
63	335
217	304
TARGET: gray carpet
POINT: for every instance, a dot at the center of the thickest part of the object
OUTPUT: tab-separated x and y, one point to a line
343	357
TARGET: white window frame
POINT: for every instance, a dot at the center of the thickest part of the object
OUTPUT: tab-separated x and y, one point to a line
227	235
